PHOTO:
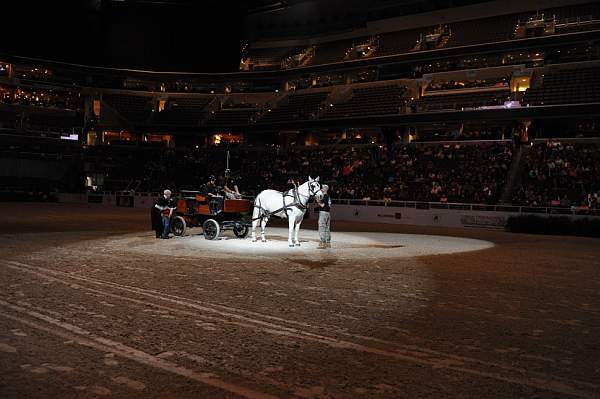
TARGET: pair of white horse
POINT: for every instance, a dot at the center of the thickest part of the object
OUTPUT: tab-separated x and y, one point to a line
291	204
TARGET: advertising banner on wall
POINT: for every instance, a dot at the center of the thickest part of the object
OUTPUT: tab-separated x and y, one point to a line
95	198
125	201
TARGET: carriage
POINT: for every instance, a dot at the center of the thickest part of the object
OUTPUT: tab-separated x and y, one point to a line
214	215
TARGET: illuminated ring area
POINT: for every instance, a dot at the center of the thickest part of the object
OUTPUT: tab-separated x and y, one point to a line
344	245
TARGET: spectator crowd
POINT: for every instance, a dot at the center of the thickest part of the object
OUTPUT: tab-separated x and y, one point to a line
561	175
416	172
552	174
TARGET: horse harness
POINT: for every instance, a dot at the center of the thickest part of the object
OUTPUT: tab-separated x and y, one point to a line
263	213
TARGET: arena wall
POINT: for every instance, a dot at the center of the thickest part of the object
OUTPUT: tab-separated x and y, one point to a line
492	219
433	217
420	217
33	168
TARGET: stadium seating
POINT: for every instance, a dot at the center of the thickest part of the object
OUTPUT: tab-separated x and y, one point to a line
447	173
464	33
581	85
268	58
376	100
450	159
230	116
330	52
184	111
561	174
9	118
296	107
487	30
136	109
452	173
439	85
41	98
585	11
451	102
54	121
555	174
397	42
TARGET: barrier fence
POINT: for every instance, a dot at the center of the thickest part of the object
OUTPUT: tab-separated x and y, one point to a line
470	207
133	199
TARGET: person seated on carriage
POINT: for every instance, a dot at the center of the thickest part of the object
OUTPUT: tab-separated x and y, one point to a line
232	194
211	191
210	188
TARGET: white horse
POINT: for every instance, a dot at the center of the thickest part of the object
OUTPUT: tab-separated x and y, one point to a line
290	204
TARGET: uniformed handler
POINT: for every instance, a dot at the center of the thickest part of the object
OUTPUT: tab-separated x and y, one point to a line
324	219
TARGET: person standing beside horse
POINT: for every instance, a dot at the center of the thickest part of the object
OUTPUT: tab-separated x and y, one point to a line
324	218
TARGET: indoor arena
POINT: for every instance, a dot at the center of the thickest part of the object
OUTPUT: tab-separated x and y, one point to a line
333	199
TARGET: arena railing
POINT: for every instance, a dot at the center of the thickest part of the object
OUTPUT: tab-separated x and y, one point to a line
420	205
470	207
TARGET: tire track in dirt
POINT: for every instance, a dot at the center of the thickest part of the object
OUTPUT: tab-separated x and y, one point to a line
88	339
407	353
106	243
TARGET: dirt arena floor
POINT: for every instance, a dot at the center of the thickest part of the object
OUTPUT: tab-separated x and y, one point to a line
92	305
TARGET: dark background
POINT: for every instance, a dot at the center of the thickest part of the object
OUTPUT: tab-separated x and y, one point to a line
187	36
180	35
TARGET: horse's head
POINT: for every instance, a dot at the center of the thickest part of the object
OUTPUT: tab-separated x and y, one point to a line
314	188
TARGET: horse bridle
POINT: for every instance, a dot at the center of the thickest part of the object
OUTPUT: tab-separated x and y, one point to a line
311	192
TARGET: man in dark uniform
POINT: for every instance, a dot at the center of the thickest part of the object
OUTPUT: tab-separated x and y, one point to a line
155	219
166	206
215	200
324	219
210	188
232	193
